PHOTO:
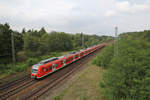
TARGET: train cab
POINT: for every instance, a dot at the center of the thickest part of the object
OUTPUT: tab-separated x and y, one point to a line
36	70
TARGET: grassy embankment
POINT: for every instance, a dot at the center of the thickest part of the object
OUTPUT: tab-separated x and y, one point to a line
85	86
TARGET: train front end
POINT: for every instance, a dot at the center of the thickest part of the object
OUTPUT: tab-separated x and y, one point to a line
35	71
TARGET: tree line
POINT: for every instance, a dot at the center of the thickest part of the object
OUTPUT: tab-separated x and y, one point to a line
127	75
36	43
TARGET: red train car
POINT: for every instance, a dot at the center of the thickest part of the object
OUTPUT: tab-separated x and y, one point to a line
50	65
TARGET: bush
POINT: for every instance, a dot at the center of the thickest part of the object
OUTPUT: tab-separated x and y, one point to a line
128	74
57	98
105	57
52	54
127	77
20	67
31	61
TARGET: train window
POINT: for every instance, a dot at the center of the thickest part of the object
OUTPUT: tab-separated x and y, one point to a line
53	66
47	69
56	65
34	71
42	69
50	68
76	56
61	62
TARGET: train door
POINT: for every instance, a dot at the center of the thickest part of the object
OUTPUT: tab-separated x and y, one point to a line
53	66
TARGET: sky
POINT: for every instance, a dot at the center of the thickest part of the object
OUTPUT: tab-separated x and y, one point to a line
74	16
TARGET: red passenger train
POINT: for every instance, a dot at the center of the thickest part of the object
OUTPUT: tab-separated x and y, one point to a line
50	65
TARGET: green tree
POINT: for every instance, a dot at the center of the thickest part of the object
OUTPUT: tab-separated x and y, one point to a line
5	43
128	74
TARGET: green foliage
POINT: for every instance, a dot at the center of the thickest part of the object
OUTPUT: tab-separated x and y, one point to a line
19	67
52	54
128	74
11	69
37	45
57	98
5	43
105	57
31	61
59	41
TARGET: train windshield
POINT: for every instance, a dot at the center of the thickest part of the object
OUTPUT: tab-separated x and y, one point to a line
34	71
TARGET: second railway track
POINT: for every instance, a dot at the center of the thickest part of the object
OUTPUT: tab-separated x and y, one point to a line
11	84
51	84
32	89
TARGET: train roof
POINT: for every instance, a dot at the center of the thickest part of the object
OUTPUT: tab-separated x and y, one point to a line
65	55
48	60
36	66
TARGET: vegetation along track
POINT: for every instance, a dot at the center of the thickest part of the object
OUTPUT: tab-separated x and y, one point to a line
36	93
49	82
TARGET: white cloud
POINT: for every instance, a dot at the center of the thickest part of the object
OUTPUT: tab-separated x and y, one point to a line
110	13
127	7
123	6
139	8
36	9
91	16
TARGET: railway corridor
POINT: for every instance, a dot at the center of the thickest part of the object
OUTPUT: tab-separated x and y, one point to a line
29	89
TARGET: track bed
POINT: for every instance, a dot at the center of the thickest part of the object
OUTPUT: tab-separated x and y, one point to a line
29	89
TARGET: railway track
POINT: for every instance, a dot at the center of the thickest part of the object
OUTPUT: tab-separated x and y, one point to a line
12	89
8	93
43	89
13	83
33	95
